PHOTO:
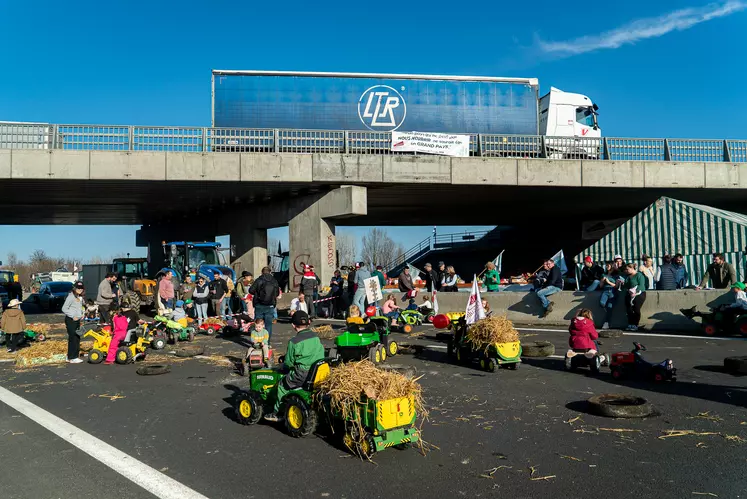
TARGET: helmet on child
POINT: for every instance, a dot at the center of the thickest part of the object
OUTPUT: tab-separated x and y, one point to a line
370	311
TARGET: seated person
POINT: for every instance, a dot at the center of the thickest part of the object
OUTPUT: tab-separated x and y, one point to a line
427	307
299	303
260	339
583	333
354	315
92	312
739	307
179	315
303	351
390	308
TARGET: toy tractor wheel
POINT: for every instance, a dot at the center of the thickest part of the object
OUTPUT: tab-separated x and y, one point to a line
95	356
300	419
710	329
595	365
616	373
568	363
741	326
392	348
191	336
123	355
248	408
406	328
40	337
374	355
158	344
366	447
210	331
487	364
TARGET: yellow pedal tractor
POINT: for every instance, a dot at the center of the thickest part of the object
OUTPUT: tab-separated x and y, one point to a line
132	348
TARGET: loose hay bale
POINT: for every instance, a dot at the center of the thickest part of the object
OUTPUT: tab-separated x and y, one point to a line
324	332
40	328
214	321
490	331
354	383
42	353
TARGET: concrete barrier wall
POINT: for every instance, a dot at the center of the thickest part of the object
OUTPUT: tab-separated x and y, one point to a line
661	312
337	168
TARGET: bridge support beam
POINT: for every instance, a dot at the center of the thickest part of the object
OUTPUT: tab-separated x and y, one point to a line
250	246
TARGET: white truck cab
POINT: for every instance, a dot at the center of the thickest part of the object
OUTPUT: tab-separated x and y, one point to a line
564	116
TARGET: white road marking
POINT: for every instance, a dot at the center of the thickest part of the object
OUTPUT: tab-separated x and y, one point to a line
140	473
652	335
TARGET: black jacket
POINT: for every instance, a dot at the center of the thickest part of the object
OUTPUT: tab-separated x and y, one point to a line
439	278
351	282
218	289
554	278
590	274
265	290
430	278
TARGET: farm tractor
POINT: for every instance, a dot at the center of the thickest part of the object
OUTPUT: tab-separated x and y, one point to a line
136	287
371	426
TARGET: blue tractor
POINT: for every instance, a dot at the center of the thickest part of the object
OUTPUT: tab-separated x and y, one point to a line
194	258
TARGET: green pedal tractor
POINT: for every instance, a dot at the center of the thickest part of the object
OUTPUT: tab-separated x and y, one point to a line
366	341
371	426
173	331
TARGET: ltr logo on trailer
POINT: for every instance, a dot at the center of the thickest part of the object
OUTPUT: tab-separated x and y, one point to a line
381	108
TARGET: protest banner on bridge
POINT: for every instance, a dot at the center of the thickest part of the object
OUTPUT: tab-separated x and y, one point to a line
444	144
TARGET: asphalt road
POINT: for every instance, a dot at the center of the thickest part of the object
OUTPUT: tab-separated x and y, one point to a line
519	434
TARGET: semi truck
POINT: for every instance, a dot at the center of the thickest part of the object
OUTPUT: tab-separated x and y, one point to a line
388	102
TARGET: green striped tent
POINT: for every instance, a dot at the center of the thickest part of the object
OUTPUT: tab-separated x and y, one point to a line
669	226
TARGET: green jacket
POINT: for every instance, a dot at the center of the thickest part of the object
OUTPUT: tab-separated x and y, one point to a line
304	350
635	280
382	281
492	280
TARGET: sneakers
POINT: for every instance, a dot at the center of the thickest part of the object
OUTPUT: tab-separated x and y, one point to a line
75	361
272	417
631	328
606	325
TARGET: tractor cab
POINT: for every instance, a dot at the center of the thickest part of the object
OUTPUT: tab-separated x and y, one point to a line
200	258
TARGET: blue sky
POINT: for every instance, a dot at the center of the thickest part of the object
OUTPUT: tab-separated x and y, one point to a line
656	69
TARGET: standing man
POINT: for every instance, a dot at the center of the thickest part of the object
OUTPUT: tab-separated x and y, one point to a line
666	275
379	274
405	284
549	285
351	283
187	289
721	274
242	287
104	297
304	350
265	290
309	285
218	291
440	272
430	277
335	290
359	298
166	290
681	271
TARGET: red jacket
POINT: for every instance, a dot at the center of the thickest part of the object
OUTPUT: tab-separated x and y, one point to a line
583	334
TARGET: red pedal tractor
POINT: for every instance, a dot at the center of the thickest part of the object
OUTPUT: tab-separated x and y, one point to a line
632	364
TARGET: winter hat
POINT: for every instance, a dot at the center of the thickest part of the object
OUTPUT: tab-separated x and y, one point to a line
180	303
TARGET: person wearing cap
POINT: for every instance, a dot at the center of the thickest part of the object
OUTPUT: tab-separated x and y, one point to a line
351	282
309	285
13	323
303	351
740	300
242	287
200	297
73	310
105	296
619	263
591	275
721	273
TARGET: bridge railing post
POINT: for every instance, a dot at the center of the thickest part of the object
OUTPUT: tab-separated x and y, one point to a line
130	138
667	152
205	147
543	147
605	149
345	138
276	139
727	152
55	136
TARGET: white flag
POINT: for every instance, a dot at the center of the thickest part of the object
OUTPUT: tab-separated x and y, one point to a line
474	311
559	260
435	302
498	262
75	266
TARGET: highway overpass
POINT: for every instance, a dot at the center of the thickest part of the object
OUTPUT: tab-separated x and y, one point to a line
185	191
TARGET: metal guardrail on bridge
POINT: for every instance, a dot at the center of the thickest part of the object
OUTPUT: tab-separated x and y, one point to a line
205	139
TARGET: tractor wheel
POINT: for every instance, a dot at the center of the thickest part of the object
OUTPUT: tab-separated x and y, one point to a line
740	327
123	355
382	349
374	355
595	364
190	351
406	328
191	336
95	356
620	406
616	373
461	358
410	319
153	370
132	300
158	344
488	364
248	408
710	329
366	447
300	419
392	348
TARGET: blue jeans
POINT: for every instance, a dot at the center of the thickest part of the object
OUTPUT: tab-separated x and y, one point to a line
227	312
202	312
168	303
593	286
545	292
607	302
266	312
359	299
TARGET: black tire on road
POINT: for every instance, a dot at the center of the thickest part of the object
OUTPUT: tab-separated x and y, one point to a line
190	351
736	364
615	405
153	370
537	349
610	333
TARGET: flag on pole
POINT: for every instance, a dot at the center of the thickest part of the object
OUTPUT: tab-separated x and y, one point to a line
498	262
435	302
414	271
559	260
75	266
474	311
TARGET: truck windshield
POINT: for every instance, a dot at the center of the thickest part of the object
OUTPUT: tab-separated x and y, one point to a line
585	116
5	277
198	256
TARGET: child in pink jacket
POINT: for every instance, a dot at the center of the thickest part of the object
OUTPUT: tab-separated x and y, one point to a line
119	326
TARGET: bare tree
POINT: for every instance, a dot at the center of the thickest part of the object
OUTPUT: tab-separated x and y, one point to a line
378	248
347	249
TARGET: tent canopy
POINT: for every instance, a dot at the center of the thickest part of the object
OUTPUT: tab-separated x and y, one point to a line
669	226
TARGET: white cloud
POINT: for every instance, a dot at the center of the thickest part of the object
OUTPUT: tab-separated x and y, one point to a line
642	29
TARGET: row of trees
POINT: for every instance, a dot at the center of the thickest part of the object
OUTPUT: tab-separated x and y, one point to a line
40	262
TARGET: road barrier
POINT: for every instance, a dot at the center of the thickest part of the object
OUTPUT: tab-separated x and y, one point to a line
215	140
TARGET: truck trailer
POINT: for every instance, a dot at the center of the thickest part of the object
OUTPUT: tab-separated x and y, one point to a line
388	102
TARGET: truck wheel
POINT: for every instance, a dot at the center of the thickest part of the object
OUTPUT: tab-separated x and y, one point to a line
612	405
537	349
132	299
248	408
300	419
123	355
95	356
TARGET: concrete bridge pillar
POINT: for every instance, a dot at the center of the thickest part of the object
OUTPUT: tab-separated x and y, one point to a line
250	246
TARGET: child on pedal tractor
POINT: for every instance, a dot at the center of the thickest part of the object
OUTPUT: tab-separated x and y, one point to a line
119	328
584	335
179	314
354	315
260	340
91	314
